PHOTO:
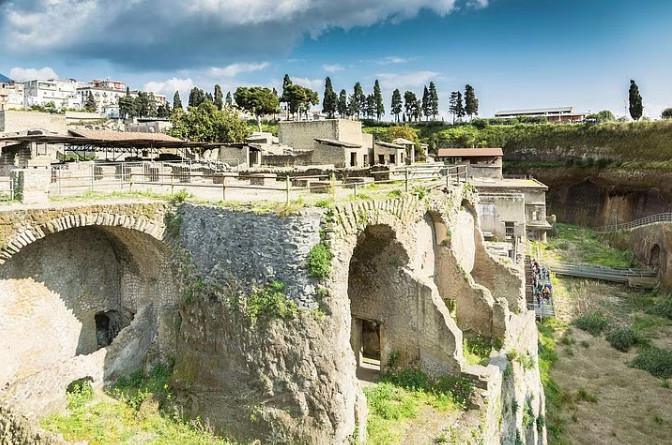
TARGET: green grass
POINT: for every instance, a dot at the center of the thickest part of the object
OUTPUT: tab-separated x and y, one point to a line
577	244
592	322
136	410
319	261
554	395
398	398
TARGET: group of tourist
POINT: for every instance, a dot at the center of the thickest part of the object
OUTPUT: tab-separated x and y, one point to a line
542	289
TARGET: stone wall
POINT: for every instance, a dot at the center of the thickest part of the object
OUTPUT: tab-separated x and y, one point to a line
15	120
97	299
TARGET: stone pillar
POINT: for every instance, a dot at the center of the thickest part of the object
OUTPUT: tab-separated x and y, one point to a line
31	185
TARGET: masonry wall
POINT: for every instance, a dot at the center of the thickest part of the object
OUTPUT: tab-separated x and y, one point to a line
302	134
16	120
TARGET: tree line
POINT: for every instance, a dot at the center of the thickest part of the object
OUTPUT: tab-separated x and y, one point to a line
298	100
142	105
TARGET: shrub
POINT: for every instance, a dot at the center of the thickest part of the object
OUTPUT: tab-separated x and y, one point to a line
663	308
592	322
271	302
583	395
319	261
623	338
654	360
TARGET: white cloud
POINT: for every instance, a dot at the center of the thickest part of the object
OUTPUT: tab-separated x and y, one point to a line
313	84
393	60
24	74
408	80
168	87
236	68
195	31
332	68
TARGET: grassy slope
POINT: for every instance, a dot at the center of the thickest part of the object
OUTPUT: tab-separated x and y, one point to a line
593	396
624	141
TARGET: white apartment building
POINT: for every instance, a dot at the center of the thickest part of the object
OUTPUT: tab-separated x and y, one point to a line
11	95
63	93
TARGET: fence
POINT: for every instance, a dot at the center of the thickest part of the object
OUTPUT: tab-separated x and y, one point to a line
601	273
207	181
652	219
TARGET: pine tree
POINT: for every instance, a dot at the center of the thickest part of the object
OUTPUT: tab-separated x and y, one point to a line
411	106
396	106
426	102
470	101
177	102
330	101
378	99
343	104
209	98
635	99
229	100
90	104
434	100
219	97
152	109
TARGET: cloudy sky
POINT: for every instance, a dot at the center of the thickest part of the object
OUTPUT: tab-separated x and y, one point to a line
516	53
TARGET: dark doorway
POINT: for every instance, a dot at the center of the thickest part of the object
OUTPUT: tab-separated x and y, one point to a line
108	325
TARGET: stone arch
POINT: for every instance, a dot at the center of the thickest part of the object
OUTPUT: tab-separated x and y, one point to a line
97	298
28	234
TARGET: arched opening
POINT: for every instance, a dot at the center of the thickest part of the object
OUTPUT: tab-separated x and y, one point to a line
375	291
654	257
92	299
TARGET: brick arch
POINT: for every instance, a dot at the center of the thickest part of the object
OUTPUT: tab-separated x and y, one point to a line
28	234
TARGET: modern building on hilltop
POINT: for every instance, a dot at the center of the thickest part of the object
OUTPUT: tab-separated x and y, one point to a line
558	114
62	93
11	94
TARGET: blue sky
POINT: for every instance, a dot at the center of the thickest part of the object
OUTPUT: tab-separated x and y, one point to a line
516	53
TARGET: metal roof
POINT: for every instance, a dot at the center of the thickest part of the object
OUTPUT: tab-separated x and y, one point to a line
389	145
5	79
119	136
470	152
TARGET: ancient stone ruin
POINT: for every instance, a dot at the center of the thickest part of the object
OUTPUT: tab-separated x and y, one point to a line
97	292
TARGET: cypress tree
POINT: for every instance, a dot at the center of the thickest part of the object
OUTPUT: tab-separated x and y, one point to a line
459	107
219	97
177	102
343	104
396	106
286	83
452	107
378	100
635	99
426	102
357	100
434	100
229	99
370	106
330	101
470	101
90	104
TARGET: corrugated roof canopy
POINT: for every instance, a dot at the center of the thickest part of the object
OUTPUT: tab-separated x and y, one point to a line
336	143
470	152
120	136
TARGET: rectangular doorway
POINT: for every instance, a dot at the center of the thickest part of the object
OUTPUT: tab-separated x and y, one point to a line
366	344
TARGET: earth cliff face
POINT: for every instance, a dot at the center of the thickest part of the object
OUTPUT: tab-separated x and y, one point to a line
597	197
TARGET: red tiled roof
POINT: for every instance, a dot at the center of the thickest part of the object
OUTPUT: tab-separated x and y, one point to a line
469	152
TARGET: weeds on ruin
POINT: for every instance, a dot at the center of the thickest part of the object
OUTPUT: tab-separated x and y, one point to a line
553	394
399	396
477	349
593	322
139	409
270	301
319	261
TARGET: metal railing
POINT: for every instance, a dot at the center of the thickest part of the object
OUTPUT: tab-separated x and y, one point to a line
601	272
214	184
652	219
